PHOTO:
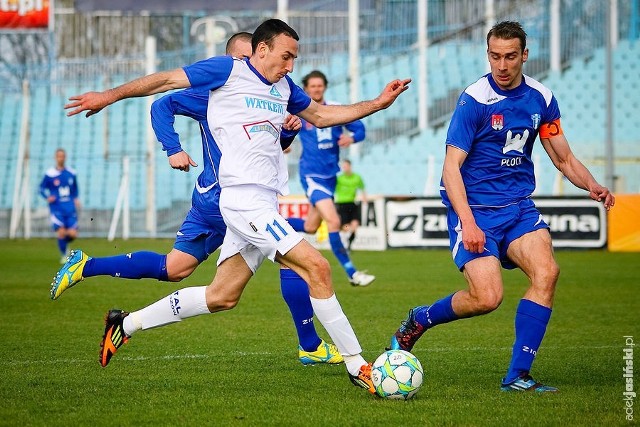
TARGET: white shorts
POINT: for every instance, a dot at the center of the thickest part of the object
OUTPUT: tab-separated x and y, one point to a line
255	228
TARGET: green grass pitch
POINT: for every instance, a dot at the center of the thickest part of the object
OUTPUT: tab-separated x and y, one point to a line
240	367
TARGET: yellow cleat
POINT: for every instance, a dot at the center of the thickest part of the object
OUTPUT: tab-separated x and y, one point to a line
325	353
69	274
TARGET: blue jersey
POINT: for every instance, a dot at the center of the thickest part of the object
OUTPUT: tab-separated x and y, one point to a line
192	103
497	129
320	150
63	185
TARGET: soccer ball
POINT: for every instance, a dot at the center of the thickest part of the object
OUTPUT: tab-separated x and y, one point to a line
396	374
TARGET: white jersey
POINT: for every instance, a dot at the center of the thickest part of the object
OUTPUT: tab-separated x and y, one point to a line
245	115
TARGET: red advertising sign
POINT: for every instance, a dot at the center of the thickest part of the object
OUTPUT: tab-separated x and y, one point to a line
24	14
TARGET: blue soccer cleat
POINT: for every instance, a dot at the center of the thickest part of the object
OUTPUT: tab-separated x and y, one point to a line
525	383
325	353
69	274
408	333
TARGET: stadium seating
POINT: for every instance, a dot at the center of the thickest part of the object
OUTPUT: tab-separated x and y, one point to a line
580	91
392	149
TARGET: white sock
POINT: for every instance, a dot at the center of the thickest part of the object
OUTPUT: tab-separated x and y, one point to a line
332	317
181	304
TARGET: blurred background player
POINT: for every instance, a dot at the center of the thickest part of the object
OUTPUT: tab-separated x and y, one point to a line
347	186
60	188
203	229
487	182
318	170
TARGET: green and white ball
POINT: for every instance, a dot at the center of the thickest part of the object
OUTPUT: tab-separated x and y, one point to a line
397	374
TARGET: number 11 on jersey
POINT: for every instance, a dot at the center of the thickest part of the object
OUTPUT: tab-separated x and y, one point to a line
277	234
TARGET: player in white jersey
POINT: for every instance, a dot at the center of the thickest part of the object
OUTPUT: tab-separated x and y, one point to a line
487	183
203	229
248	103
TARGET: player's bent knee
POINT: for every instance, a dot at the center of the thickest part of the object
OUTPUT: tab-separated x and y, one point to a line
488	303
546	278
322	265
218	303
227	304
333	225
179	275
319	268
310	229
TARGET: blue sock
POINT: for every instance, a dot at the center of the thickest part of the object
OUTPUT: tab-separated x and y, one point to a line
136	265
437	313
341	253
296	294
531	324
296	223
62	245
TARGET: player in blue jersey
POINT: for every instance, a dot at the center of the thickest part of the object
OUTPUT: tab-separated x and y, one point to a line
203	230
60	188
248	103
318	170
487	183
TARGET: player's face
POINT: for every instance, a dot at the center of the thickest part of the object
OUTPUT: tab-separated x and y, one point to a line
241	49
276	62
346	168
60	158
315	89
506	59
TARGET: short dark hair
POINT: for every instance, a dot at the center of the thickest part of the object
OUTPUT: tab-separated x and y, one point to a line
241	36
314	74
270	29
507	30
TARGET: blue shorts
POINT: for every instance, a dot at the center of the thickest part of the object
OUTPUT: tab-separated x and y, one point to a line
501	226
318	189
201	233
63	220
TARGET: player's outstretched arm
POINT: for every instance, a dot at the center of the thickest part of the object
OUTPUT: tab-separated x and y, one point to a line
557	147
331	115
93	102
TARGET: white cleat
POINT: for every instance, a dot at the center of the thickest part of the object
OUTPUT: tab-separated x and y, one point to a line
360	278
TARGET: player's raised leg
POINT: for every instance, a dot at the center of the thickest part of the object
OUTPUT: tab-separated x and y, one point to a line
134	265
199	236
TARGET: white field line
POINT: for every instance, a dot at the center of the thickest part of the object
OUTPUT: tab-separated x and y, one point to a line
68	361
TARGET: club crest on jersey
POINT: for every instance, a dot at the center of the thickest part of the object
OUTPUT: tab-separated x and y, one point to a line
274	92
56	182
497	121
535	118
